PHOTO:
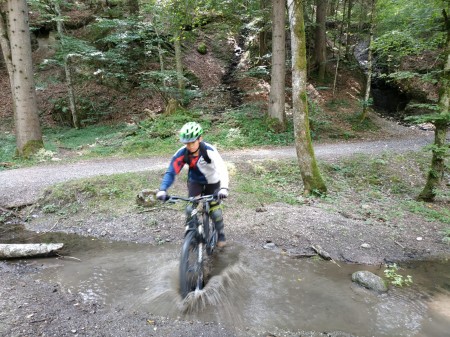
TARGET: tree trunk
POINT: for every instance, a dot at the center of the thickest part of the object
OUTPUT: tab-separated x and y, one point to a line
312	180
17	52
263	34
369	64
348	26
179	62
440	148
70	90
278	72
133	6
67	69
320	47
5	46
339	43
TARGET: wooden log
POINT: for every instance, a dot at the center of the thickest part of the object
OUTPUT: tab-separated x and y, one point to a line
14	251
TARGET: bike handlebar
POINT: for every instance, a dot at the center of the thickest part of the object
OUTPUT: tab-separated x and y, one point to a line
175	198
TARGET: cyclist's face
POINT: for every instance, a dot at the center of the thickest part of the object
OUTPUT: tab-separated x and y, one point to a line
193	147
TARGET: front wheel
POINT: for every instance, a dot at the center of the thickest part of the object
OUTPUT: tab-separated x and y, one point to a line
191	264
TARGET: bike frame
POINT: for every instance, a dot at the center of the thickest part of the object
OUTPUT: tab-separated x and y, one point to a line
203	207
197	237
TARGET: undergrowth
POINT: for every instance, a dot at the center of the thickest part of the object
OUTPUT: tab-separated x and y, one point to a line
380	188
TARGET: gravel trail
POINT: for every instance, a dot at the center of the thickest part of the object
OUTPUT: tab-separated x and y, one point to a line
24	185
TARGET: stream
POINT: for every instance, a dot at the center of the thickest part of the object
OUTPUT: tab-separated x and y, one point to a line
255	290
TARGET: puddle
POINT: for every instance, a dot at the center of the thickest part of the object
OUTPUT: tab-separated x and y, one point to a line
256	290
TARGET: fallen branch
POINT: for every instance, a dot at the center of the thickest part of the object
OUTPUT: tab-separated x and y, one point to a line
324	254
14	251
43	233
63	257
399	244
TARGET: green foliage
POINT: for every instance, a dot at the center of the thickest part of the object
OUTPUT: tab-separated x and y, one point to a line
248	126
422	19
336	104
257	72
430	212
7	148
391	273
317	121
359	124
73	139
392	46
407	27
430	118
446	238
268	182
107	194
383	180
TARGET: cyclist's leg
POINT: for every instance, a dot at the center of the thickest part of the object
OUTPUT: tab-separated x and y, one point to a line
216	214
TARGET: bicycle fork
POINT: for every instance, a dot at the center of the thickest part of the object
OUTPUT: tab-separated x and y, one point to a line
199	228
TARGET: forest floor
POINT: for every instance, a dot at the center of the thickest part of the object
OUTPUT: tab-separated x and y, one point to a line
31	308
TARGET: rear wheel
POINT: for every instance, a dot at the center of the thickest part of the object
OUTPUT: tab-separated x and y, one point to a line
191	264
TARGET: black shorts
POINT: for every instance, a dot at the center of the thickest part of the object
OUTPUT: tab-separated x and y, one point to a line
196	189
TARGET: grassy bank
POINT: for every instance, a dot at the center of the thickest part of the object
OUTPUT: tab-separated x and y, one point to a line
372	189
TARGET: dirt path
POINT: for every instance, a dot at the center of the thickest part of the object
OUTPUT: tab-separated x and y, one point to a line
23	186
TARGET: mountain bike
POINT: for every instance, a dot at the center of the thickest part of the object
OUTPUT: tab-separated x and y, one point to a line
200	237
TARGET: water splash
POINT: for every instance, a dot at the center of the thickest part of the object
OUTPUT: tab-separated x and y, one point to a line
215	291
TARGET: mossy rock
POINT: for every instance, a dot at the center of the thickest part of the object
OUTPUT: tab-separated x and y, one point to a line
202	49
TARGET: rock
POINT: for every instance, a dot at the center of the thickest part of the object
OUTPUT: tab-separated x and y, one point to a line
146	198
369	281
365	245
269	245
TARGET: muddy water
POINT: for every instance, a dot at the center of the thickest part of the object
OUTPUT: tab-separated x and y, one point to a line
257	291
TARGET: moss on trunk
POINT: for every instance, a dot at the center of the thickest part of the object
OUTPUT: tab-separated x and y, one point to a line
30	148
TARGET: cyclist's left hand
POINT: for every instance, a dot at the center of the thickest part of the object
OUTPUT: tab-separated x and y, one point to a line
161	195
222	194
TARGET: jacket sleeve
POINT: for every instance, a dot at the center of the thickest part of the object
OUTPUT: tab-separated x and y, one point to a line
221	168
175	167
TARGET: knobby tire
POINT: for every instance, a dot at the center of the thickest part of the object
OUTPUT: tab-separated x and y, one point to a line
191	264
211	235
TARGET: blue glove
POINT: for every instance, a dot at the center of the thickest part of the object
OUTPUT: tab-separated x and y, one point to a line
222	194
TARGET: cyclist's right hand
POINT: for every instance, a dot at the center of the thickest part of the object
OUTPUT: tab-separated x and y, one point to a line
162	195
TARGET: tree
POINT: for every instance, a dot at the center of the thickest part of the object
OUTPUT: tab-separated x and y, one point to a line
264	34
441	121
278	71
179	16
16	46
67	66
348	25
369	65
312	180
320	42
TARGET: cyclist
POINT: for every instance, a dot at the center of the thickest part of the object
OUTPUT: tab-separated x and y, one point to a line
207	174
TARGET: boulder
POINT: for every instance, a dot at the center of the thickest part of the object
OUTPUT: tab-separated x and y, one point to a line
370	281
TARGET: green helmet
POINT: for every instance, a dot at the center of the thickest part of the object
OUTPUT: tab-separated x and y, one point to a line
190	132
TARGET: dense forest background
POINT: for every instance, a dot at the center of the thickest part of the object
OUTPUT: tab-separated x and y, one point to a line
115	62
